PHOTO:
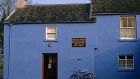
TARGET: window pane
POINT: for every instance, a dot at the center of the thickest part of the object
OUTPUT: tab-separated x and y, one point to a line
121	67
50	59
122	62
129	57
127	33
52	35
130	22
126	62
130	62
129	66
128	30
51	30
124	22
51	27
121	57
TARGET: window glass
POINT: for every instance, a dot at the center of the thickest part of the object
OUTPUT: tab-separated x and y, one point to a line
129	57
128	28
51	30
52	36
124	22
51	33
130	22
126	62
121	57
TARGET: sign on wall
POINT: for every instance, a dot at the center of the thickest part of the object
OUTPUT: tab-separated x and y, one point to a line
78	42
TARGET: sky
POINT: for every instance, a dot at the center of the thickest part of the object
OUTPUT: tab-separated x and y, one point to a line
59	1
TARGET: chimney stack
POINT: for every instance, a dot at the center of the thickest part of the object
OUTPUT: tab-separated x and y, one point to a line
21	3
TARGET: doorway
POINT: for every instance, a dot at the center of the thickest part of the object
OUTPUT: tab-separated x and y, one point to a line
50	65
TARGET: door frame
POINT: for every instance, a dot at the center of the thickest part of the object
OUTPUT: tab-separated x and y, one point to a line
43	55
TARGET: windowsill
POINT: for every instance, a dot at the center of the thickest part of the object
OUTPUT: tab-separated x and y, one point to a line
128	40
126	70
50	40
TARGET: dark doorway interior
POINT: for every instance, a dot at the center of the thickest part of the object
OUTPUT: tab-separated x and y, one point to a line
50	66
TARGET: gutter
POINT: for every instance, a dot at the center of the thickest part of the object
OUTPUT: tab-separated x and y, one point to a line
9	55
100	14
64	22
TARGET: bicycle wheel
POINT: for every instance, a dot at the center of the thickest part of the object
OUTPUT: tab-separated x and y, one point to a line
74	76
89	76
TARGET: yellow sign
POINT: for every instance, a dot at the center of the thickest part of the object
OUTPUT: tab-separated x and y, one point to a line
78	42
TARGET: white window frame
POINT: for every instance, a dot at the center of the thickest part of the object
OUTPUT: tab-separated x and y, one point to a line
125	36
47	38
125	65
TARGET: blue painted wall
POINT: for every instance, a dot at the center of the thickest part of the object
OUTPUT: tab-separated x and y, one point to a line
25	43
110	47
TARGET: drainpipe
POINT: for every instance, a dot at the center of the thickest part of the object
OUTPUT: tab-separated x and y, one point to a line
94	56
9	54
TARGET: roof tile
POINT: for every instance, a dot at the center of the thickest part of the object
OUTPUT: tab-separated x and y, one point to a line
51	13
115	6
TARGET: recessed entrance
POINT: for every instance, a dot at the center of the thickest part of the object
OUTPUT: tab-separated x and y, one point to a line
49	66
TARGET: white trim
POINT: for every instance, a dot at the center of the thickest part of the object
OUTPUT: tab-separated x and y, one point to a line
10	14
127	38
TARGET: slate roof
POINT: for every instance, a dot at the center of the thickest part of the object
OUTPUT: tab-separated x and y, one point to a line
51	13
73	12
115	6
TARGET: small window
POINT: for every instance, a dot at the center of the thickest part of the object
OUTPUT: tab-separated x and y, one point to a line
51	33
126	62
128	27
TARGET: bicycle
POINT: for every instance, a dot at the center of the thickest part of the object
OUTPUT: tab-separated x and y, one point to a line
82	75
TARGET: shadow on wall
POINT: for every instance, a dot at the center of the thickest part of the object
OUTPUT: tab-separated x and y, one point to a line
107	61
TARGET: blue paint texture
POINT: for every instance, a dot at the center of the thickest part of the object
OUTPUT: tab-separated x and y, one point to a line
25	43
